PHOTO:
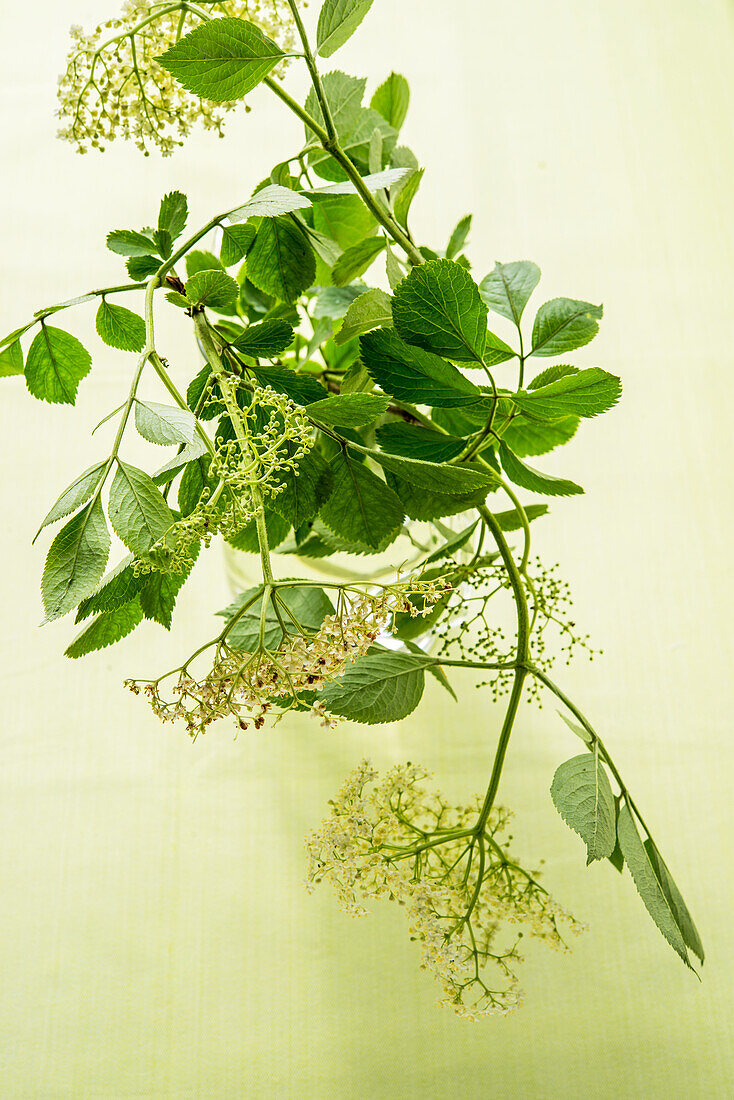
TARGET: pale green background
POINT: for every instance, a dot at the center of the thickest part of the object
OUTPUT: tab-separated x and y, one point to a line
155	938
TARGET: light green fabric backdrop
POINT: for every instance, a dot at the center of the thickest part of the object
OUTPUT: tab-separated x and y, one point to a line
155	936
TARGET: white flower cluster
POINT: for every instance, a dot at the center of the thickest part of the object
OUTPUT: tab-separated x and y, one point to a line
114	87
395	839
250	687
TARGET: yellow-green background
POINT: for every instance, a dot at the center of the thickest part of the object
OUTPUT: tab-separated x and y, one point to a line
155	937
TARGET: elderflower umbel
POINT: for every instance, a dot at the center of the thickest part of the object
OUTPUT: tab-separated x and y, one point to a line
250	687
460	889
114	87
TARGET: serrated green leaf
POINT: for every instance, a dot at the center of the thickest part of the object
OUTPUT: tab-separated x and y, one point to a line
12	337
578	730
128	242
457	240
213	289
74	495
300	606
338	20
616	858
436	477
75	561
236	239
415	441
648	885
406	195
119	327
11	360
306	490
301	388
194	480
106	629
342	218
361	507
377	688
535	437
355	260
116	588
201	260
368	311
356	144
281	261
344	95
266	340
422	504
411	374
270	202
456	542
534	480
160	590
673	896
437	307
511	521
357	380
392	99
507	289
551	374
582	794
140	268
189	453
163	242
373	181
349	410
564	324
173	213
393	270
334	301
138	512
221	60
164	424
55	365
588	392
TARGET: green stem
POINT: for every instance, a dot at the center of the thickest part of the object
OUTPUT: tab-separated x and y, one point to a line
595	739
329	141
521	670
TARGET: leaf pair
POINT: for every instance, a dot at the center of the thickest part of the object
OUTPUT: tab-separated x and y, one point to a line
583	796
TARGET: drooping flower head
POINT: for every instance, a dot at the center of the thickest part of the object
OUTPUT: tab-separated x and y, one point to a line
114	87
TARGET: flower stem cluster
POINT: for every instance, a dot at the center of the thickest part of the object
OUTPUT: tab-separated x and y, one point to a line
267	681
474	625
461	891
114	87
272	435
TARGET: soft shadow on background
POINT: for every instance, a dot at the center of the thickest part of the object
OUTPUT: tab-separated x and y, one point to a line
155	936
